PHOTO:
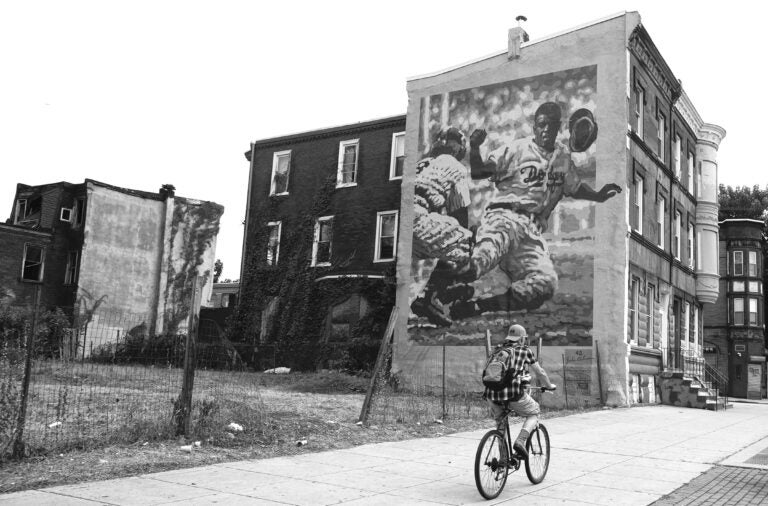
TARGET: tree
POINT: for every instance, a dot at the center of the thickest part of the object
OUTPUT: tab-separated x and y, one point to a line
217	268
743	202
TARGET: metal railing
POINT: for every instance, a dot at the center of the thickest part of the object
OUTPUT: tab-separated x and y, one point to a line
719	383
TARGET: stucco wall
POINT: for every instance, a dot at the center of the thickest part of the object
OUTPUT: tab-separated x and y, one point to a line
602	46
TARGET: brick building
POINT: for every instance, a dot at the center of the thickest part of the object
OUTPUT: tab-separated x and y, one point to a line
734	327
321	233
127	258
612	250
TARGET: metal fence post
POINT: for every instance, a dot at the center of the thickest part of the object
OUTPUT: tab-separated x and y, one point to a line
599	374
565	383
18	444
443	391
184	405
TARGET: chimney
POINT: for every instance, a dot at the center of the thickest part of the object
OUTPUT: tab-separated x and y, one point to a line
167	191
517	36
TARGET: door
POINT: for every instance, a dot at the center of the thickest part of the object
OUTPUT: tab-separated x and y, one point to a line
754	375
737	370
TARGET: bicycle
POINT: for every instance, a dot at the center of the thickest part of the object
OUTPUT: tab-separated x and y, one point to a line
496	459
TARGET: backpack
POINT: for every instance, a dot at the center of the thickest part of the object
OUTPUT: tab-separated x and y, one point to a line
498	373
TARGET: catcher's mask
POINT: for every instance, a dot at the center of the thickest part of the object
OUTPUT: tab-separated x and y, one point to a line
583	130
442	146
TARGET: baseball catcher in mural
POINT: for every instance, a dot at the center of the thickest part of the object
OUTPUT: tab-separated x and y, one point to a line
441	195
530	175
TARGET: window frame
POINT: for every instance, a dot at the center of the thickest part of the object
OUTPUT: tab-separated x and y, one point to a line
752	265
271	226
661	134
756	321
340	167
634	309
691	165
740	264
691	245
276	156
80	204
677	245
393	156
316	241
678	155
661	215
735	313
377	247
639	110
638	188
41	274
71	272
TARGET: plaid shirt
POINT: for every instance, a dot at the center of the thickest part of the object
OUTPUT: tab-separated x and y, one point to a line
519	358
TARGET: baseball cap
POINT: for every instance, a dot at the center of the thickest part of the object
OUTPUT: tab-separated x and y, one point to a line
515	333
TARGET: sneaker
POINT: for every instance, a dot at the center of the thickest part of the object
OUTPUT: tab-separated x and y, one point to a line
520	450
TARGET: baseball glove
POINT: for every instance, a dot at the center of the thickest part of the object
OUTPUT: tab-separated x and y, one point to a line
442	237
583	130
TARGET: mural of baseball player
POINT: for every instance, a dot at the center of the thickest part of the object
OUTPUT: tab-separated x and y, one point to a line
441	195
531	176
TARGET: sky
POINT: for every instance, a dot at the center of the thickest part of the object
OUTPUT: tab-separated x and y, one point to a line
143	93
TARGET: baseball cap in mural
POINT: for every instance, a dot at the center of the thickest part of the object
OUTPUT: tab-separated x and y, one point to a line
515	333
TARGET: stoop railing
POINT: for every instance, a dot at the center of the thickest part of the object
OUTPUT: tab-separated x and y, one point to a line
719	383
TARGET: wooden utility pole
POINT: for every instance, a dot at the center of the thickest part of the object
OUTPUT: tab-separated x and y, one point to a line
385	340
183	413
18	444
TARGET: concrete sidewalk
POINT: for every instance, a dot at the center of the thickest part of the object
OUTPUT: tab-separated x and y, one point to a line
618	456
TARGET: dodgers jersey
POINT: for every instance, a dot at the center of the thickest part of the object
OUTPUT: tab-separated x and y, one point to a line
530	179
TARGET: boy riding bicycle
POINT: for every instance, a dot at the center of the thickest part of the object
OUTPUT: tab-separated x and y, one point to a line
515	397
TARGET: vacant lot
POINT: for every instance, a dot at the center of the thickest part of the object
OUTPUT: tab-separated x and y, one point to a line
278	415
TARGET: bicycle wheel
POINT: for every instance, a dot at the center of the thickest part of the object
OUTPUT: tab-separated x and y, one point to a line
538	455
491	464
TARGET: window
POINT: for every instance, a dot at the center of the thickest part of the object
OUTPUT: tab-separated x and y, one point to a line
738	263
70	276
636	219
80	211
634	299
398	156
738	311
690	173
678	155
34	261
321	247
28	211
753	311
737	286
660	135
386	236
690	245
752	266
639	101
650	296
347	173
684	322
695	338
273	246
676	244
754	287
21	210
661	212
281	168
65	214
698	182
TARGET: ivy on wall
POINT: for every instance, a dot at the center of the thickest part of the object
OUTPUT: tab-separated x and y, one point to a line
296	330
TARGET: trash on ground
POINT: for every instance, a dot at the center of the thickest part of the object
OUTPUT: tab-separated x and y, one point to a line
186	448
437	420
278	370
301	442
54	424
236	427
197	444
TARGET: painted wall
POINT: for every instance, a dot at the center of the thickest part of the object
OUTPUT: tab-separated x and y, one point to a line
581	293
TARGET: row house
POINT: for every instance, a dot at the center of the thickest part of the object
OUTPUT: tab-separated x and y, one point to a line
619	254
321	231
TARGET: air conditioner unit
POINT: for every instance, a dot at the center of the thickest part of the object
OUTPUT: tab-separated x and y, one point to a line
67	213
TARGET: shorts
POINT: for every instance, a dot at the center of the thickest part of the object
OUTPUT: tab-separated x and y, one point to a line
524	407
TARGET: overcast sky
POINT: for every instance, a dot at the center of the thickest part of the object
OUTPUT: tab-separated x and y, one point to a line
139	94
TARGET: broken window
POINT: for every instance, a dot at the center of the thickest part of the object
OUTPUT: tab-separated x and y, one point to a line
34	257
321	248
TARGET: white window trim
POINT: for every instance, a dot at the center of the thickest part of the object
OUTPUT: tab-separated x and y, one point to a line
275	161
342	145
690	174
696	338
639	189
678	156
662	120
66	214
639	110
678	231
739	265
752	255
748	320
660	219
634	295
316	240
279	225
684	324
379	216
393	155
42	263
743	314
691	252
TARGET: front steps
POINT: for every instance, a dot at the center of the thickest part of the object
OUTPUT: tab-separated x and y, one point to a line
679	389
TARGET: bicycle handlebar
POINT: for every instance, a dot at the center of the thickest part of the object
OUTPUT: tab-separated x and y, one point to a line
544	389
